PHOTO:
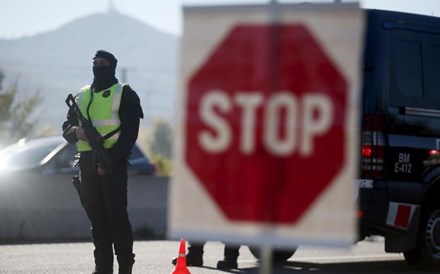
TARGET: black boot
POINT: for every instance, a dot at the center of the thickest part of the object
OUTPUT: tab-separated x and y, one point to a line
230	261
125	263
194	256
103	262
97	271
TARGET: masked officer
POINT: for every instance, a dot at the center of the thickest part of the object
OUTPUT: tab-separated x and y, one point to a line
114	110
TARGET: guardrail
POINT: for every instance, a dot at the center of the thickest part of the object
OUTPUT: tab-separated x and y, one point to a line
51	210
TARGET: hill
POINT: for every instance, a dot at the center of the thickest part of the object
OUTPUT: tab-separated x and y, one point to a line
59	62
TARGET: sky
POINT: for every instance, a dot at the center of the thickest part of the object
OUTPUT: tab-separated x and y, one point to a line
20	18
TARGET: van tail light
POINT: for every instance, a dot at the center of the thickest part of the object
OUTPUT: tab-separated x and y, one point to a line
373	147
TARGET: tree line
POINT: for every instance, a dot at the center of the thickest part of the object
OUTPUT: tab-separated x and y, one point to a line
16	114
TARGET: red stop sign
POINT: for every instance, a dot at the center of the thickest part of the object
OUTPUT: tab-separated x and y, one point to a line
264	129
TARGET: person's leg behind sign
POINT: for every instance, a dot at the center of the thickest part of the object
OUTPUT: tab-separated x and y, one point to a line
194	257
231	254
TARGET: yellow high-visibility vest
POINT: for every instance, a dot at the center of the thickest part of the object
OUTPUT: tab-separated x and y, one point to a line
103	111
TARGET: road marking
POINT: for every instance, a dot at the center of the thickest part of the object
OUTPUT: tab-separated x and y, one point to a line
381	257
337	259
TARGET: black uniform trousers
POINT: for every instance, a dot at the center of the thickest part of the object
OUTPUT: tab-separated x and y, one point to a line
105	202
231	252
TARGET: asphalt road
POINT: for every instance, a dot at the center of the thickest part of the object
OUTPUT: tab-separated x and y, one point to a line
155	257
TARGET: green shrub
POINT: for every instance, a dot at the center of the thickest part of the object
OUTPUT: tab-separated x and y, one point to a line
163	165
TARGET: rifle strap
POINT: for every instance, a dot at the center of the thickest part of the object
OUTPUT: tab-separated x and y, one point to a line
111	133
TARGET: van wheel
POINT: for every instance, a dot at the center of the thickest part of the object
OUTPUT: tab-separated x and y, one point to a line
279	255
426	254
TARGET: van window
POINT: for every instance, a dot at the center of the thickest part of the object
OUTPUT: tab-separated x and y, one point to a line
435	68
408	69
414	69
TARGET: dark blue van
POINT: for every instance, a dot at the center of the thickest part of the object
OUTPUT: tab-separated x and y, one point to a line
399	176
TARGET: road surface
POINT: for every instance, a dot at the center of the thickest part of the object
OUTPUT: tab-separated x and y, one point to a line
155	257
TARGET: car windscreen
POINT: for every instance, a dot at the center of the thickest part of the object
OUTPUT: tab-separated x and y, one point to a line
24	155
136	153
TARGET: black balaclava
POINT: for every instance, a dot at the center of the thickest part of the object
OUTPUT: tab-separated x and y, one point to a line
104	76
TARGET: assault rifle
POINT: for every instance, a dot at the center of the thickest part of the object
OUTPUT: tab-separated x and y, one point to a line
95	140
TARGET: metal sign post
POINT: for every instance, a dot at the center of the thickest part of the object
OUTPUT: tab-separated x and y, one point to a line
266	250
266	259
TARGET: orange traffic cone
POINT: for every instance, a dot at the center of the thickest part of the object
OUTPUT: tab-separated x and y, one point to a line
181	260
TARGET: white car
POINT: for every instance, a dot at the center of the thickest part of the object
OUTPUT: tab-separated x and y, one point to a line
53	155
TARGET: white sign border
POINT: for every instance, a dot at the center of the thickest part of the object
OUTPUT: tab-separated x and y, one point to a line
307	230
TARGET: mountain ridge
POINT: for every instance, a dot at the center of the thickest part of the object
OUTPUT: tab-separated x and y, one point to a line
59	61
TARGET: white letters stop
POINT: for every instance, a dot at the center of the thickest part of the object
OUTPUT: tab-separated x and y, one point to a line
313	113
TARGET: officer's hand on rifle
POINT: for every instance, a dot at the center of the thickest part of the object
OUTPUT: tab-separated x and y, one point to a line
80	134
101	171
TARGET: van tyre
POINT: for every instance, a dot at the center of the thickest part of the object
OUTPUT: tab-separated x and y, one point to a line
426	254
279	255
